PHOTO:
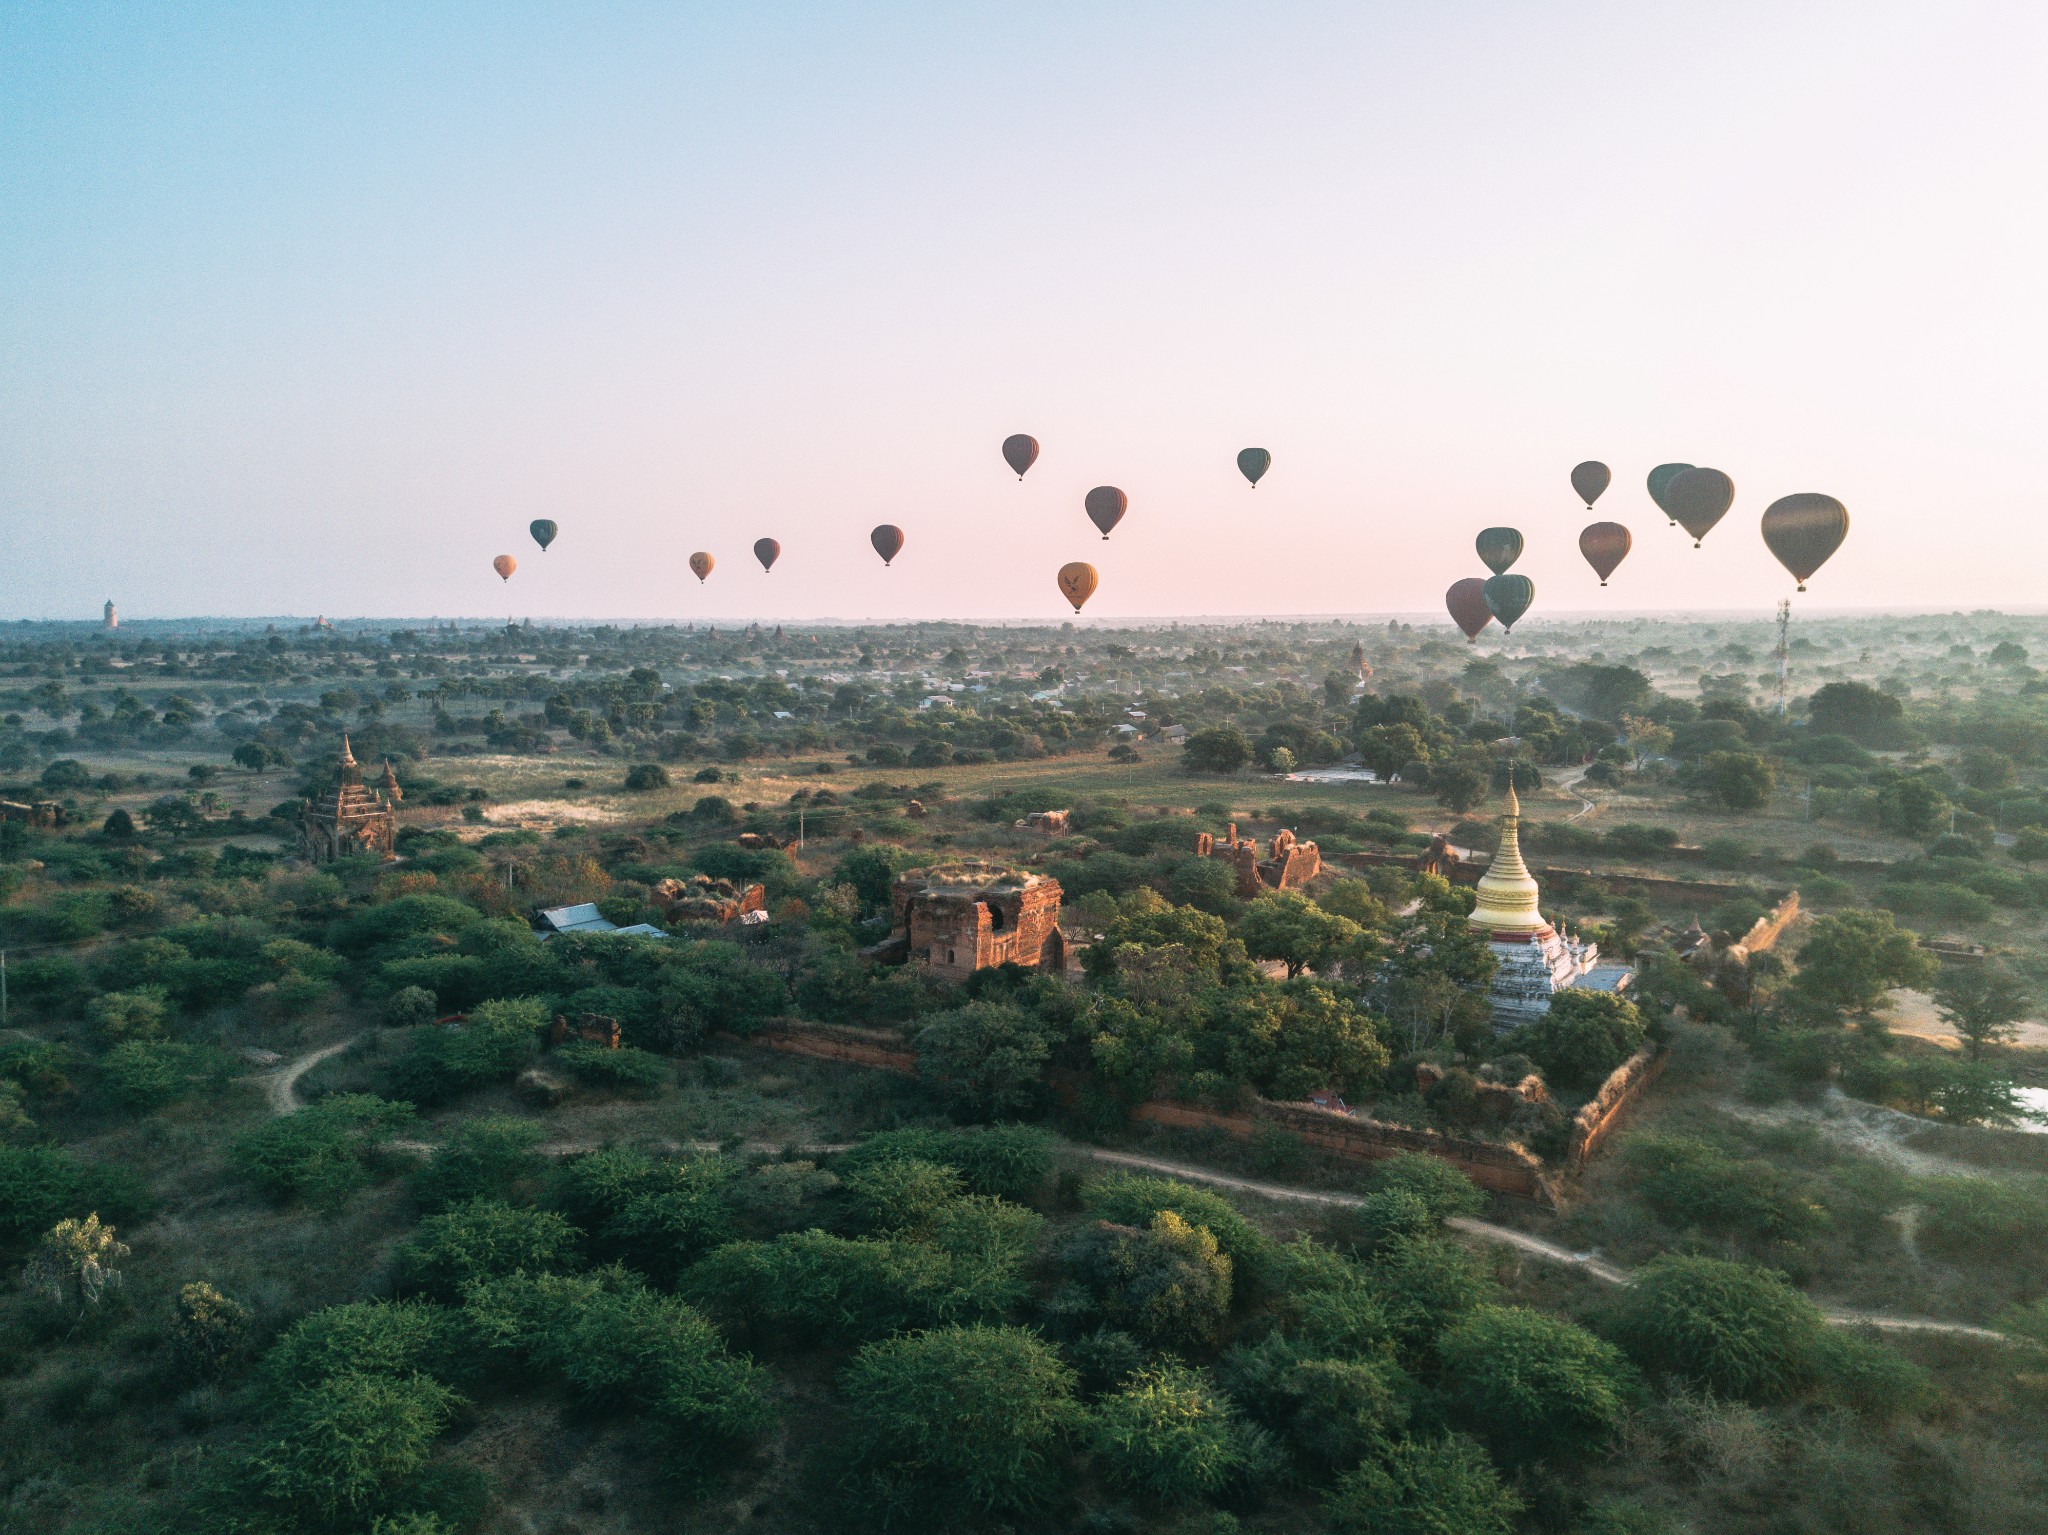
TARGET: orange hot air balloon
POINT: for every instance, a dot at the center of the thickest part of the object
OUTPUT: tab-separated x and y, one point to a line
700	565
888	541
1020	452
1605	545
504	565
1077	582
767	551
1106	507
1466	601
1804	530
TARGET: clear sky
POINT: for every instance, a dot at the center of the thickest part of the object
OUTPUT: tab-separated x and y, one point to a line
311	308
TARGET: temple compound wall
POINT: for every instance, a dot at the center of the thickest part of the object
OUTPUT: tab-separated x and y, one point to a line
976	915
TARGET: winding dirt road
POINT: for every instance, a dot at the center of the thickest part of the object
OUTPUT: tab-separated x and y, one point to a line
281	1087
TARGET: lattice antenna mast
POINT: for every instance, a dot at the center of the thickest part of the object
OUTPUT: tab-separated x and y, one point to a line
1784	650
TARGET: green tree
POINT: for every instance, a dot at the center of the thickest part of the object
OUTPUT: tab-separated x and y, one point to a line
1221	749
1535	1387
1581	1038
1168	1435
956	1424
73	1267
1852	958
1982	1002
1424	1487
208	1331
1858	711
1737	1330
1286	925
338	1444
1912	807
1737	780
986	1058
1461	783
482	1239
1169	1283
321	1153
489	1157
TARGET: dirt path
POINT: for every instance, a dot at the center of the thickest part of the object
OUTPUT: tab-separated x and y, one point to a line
281	1086
1569	784
1522	1241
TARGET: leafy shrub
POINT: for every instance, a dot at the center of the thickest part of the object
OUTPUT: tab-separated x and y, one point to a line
625	1070
1583	1037
955	1425
41	1185
489	1157
1740	1331
1329	1412
986	1058
337	1446
497	1039
1009	1161
656	1215
411	1007
1424	1487
320	1154
145	1074
208	1332
1168	1435
482	1239
1688	1182
1536	1387
1169	1283
1977	1220
1134	1199
644	776
396	1338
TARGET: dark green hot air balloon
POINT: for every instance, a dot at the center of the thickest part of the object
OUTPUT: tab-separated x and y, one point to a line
1254	462
1660	477
1590	480
1498	548
543	532
1699	498
1804	530
1508	598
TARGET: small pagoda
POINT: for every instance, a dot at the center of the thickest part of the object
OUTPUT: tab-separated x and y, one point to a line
1533	962
350	818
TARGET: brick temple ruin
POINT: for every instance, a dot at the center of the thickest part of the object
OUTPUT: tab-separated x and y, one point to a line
350	818
1293	863
964	917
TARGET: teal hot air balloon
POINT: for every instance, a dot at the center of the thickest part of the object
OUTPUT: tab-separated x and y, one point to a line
1498	548
1508	598
543	532
1252	463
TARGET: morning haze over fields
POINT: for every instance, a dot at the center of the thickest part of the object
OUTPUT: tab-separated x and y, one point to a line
1153	769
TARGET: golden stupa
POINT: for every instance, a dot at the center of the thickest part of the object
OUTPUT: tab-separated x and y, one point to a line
1507	907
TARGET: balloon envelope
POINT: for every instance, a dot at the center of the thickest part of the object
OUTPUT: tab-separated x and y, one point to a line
543	532
1498	548
888	541
1660	477
700	565
1590	479
1077	583
504	565
1467	601
1605	545
1252	463
1803	530
1699	498
1106	507
1020	452
767	551
1508	598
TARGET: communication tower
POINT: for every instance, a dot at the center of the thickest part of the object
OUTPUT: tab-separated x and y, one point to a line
1784	650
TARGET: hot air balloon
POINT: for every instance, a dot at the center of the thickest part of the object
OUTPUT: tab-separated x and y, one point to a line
888	542
700	565
504	565
1699	498
1077	583
543	532
1498	548
1106	507
1508	598
1020	452
1605	545
1803	530
1252	463
1589	480
1467	601
1660	477
767	551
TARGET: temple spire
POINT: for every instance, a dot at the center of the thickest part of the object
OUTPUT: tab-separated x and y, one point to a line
1507	894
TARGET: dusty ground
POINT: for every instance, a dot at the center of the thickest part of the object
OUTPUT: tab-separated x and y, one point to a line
1913	1013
